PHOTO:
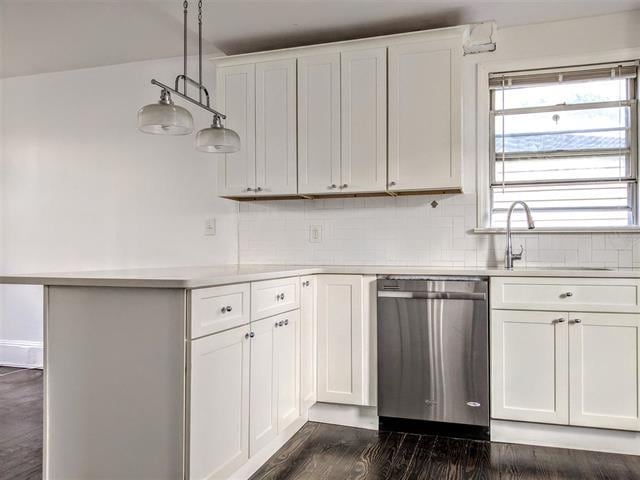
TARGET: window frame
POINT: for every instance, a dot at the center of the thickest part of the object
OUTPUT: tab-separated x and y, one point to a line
485	146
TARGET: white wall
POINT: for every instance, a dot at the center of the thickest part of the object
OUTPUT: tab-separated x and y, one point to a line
407	230
82	189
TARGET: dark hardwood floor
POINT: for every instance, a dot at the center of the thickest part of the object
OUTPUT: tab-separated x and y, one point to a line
20	424
329	452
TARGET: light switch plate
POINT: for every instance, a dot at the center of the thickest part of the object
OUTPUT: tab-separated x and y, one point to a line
315	233
210	227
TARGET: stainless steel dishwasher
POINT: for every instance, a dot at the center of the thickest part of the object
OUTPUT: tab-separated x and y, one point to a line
433	354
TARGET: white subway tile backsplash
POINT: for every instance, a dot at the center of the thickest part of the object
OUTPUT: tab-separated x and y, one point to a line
409	231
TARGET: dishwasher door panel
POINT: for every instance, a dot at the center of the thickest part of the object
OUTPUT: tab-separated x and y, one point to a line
433	358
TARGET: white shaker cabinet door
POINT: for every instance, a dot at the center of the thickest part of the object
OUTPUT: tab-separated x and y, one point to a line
319	124
604	364
364	121
236	98
308	350
219	404
263	411
341	339
425	116
529	366
276	123
288	360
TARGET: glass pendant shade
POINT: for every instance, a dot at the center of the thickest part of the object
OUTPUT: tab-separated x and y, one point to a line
165	118
217	139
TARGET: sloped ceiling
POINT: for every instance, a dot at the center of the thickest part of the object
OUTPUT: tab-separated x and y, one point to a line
41	36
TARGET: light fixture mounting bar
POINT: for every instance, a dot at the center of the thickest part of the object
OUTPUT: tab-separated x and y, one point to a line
188	98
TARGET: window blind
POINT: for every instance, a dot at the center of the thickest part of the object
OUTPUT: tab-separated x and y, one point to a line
565	141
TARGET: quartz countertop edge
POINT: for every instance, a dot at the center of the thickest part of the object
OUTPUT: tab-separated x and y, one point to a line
210	276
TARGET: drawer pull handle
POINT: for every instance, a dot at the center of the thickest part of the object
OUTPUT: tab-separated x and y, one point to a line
577	320
568	294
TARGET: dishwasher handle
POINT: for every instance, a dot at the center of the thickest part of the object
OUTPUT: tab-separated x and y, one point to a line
433	295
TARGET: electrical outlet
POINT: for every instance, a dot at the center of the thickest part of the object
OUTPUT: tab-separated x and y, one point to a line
315	233
210	227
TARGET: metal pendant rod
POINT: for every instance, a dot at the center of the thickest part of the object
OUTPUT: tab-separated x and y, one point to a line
200	47
184	47
191	81
188	98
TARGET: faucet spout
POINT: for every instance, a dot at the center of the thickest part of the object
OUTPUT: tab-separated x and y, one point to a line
509	256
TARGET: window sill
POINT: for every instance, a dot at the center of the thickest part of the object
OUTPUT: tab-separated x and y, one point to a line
520	231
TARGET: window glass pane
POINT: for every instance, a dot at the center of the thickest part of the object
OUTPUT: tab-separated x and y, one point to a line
600	128
565	205
561	168
556	94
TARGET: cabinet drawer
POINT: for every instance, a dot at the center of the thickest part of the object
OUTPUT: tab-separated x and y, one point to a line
219	308
274	296
566	294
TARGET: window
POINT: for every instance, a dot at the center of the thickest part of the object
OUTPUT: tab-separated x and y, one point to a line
565	142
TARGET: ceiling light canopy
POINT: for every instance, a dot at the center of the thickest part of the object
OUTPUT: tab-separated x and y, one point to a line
165	118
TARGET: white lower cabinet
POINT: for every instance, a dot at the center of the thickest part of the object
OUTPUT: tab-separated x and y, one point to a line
275	377
604	364
345	349
287	341
572	368
308	348
219	404
529	377
263	409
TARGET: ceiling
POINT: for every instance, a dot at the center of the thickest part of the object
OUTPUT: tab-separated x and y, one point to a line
52	35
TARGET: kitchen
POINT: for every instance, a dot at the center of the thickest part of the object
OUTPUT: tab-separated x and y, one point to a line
273	260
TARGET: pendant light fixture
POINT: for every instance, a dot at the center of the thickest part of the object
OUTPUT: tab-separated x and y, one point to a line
166	118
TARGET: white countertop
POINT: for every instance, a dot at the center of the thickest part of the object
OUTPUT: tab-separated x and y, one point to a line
206	276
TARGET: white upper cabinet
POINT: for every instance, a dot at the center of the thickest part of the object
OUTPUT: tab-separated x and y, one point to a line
236	98
604	364
425	100
276	145
319	124
364	121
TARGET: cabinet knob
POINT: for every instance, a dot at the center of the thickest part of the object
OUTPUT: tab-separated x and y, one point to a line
344	185
280	323
252	334
249	189
276	325
286	322
568	294
259	189
305	283
577	320
332	186
560	320
280	296
392	184
246	335
226	309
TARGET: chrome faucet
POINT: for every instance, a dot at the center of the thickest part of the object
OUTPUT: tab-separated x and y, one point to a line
509	256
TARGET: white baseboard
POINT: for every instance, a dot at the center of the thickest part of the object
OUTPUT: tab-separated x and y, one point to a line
348	415
260	458
565	436
21	354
